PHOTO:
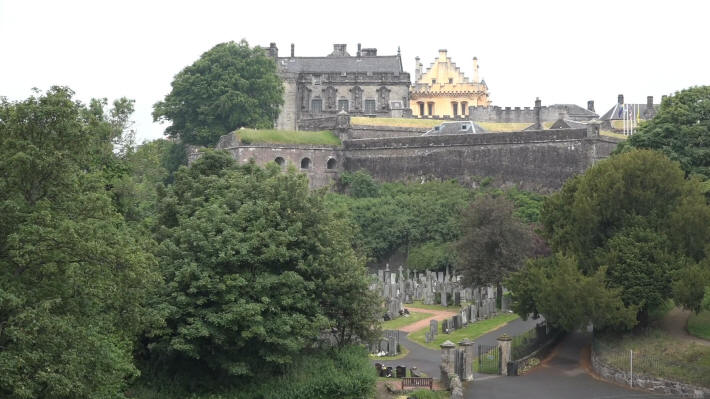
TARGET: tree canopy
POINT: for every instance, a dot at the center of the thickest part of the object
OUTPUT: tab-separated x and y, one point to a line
228	87
255	268
681	130
636	217
74	277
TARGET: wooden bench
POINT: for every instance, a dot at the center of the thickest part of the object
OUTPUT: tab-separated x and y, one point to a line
417	382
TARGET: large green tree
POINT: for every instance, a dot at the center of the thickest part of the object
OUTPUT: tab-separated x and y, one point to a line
256	269
681	130
494	242
229	87
74	277
637	216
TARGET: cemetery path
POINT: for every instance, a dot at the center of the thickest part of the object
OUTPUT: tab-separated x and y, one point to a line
675	323
561	375
424	323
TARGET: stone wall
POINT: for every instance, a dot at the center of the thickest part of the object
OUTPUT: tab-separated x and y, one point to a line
377	132
652	384
534	160
549	113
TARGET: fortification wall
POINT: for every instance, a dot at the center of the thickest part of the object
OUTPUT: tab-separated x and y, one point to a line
376	132
535	160
522	115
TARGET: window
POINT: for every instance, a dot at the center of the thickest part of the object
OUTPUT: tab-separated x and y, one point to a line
343	105
316	106
305	163
464	126
280	161
431	108
331	163
421	108
433	81
451	81
455	107
316	79
370	106
464	105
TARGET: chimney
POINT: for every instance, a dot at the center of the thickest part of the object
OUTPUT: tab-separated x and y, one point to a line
359	50
442	55
649	102
293	50
273	50
538	110
369	52
590	105
621	99
475	70
339	50
417	70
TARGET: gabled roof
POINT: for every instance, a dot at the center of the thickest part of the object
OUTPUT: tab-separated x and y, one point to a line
575	110
380	63
644	111
568	124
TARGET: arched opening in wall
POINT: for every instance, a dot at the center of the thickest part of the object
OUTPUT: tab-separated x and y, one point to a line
332	163
305	163
280	161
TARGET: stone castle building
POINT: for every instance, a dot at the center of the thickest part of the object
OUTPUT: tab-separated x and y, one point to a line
444	90
363	84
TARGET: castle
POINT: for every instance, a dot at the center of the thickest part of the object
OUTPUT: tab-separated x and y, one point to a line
363	84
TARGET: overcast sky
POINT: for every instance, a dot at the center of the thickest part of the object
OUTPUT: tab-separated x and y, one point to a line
562	51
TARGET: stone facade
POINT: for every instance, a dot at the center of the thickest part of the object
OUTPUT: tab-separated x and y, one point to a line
443	90
364	84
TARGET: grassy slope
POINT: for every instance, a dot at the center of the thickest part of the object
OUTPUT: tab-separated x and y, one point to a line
658	354
404	320
396	122
699	324
471	331
249	136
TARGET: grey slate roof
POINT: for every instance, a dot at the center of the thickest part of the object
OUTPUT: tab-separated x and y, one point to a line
568	124
462	127
644	111
380	63
575	110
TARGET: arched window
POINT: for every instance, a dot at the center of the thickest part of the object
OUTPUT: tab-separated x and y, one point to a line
280	161
331	163
305	163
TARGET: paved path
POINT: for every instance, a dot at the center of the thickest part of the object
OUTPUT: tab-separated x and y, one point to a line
561	376
435	315
675	323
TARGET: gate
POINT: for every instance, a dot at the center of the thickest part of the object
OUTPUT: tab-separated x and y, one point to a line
488	359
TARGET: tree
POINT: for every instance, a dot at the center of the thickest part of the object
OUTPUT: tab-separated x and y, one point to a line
681	130
555	288
229	87
494	243
256	268
637	216
74	277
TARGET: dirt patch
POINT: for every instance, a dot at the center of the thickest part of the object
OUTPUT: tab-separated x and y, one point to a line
675	323
436	315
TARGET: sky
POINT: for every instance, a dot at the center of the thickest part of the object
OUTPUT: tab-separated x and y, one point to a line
561	51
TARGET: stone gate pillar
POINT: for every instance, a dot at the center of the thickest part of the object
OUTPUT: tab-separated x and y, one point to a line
448	350
504	343
467	348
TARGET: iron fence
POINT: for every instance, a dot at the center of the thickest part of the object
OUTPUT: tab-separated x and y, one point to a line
488	361
528	342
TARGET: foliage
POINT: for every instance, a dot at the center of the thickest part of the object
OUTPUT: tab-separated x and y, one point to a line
343	373
431	256
428	394
255	268
681	130
555	288
692	285
699	325
229	87
74	277
325	137
636	214
494	242
359	185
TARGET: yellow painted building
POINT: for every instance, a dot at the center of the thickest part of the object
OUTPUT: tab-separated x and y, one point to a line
443	90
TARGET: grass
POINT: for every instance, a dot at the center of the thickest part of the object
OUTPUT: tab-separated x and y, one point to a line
269	136
471	331
658	354
427	394
402	321
613	134
395	122
403	352
420	305
497	127
699	324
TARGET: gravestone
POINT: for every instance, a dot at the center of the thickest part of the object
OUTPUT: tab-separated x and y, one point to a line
433	328
457	298
378	367
401	371
443	296
458	323
392	346
427	337
445	326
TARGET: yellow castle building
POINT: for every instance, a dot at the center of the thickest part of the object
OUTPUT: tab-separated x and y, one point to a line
443	90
